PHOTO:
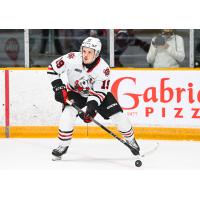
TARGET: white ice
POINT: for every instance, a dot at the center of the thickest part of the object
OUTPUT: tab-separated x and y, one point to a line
97	154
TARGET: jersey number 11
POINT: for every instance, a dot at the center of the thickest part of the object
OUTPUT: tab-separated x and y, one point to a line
105	84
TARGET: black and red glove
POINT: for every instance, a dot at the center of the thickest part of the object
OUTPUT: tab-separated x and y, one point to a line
60	91
90	111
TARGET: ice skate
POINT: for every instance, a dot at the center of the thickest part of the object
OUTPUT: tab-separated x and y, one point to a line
58	152
135	147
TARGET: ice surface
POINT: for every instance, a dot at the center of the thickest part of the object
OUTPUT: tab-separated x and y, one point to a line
95	154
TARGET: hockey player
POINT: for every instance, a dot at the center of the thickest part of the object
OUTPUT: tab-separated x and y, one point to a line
88	81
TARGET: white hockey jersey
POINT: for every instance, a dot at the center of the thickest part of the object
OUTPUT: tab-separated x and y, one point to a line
92	83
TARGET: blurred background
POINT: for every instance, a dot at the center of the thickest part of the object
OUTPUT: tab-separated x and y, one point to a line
121	47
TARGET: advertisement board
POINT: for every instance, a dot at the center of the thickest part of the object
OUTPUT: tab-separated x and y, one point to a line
159	97
32	100
153	98
2	97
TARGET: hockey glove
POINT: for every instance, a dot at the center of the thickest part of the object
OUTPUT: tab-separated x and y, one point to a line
90	111
60	91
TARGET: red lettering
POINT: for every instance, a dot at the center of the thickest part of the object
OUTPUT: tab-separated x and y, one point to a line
198	96
152	94
163	112
190	90
135	97
195	114
163	91
148	111
179	110
178	94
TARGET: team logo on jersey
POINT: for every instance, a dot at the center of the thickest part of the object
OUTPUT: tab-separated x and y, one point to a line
71	55
84	85
106	71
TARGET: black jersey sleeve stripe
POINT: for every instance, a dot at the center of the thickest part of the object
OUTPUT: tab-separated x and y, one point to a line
53	73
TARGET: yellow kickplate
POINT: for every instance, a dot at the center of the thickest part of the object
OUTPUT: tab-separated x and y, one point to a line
2	132
163	133
159	133
43	132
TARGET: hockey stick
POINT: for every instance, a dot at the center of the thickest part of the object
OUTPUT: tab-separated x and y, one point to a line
80	111
150	151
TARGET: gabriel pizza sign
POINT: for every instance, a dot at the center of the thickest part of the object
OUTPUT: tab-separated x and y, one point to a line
157	96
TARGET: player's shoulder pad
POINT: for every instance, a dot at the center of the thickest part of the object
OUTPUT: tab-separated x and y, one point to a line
60	64
104	68
72	57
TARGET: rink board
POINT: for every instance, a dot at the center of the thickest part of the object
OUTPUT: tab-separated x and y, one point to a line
34	112
159	98
33	101
2	97
170	98
2	100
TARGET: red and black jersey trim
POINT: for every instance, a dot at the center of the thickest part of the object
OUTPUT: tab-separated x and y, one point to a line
104	94
51	70
70	88
97	94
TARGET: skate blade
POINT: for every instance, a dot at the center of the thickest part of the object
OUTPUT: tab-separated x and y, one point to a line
56	158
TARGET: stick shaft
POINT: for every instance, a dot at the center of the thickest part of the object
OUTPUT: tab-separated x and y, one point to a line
99	124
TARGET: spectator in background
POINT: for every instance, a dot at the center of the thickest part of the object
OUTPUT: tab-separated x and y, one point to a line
45	38
79	34
125	38
74	38
166	50
197	54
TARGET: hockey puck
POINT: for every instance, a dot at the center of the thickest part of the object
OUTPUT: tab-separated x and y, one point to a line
138	163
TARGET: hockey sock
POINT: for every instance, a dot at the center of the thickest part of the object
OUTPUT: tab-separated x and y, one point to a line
123	125
65	137
128	135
